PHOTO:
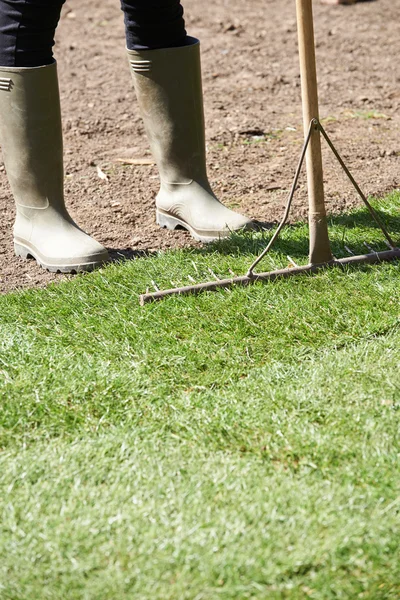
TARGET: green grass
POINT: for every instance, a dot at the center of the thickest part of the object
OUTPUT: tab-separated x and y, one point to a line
366	114
240	444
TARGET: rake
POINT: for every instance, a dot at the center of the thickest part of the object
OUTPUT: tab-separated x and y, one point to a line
320	254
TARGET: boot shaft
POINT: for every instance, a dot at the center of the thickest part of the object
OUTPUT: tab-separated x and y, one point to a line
31	135
169	91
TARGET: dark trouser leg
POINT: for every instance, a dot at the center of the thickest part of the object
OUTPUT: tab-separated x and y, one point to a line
152	24
27	30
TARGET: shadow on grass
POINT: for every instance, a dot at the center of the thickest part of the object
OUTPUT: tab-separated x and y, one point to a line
293	240
122	254
362	219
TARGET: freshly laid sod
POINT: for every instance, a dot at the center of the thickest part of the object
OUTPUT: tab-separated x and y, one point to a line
240	444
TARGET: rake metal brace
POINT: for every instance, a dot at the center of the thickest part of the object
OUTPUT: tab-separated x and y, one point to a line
320	254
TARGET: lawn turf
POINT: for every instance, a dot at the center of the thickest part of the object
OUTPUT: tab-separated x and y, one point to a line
240	444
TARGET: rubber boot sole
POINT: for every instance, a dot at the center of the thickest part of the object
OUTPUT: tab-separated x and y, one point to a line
25	252
169	222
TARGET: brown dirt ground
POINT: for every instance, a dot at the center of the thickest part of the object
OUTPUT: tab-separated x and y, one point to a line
253	116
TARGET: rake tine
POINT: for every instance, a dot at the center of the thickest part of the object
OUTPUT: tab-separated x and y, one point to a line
292	261
213	274
388	245
369	248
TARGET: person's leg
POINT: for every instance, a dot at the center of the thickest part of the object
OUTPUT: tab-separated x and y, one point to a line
165	66
27	30
151	24
31	139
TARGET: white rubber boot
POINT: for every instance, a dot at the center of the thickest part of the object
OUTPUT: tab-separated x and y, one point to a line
31	141
169	91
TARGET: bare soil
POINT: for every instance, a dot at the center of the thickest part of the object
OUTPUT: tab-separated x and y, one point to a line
253	117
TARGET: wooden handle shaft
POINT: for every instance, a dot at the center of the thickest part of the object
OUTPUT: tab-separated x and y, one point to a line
319	241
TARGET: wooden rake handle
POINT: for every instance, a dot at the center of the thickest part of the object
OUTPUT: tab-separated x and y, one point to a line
319	241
